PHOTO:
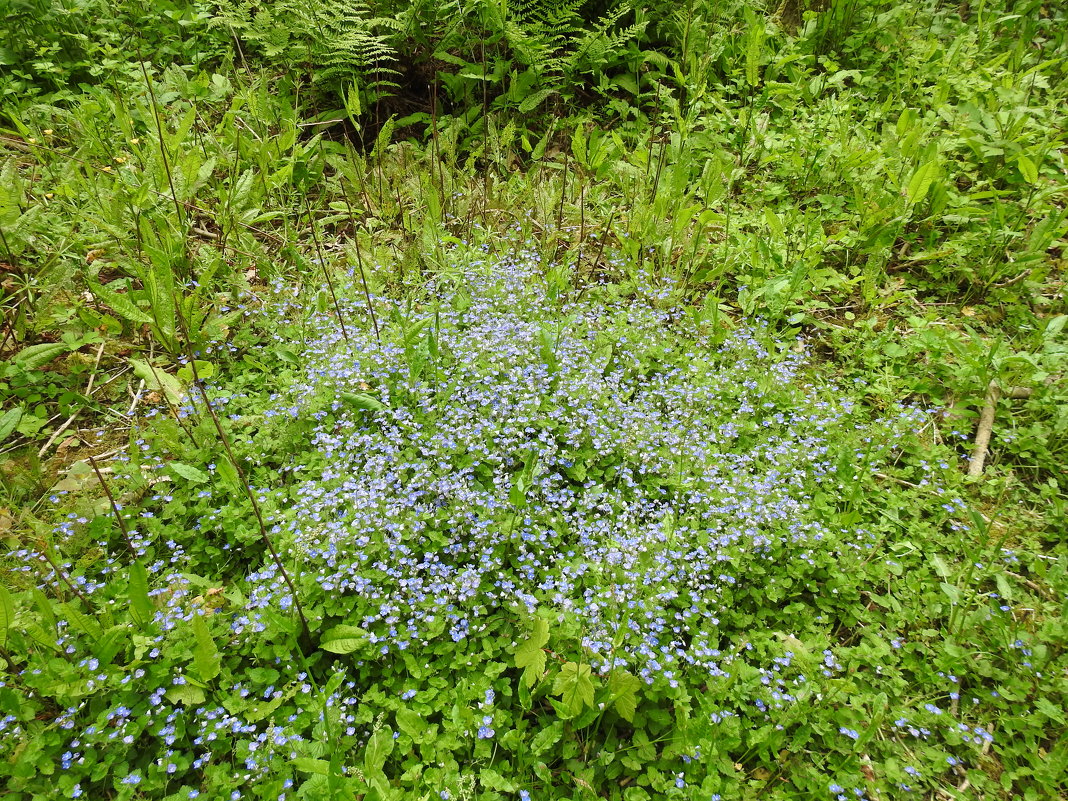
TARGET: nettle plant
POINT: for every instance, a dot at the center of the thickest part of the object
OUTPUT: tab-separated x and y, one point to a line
543	543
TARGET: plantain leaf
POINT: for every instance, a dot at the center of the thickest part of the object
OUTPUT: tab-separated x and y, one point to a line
921	181
120	304
7	614
9	421
205	654
188	472
142	610
39	355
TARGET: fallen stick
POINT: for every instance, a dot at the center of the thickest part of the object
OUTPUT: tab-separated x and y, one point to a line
986	425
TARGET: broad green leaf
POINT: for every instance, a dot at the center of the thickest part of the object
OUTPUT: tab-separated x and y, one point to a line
921	181
343	639
574	685
535	99
121	304
1027	169
39	355
142	610
319	767
940	566
623	689
188	694
492	780
379	747
205	654
228	473
83	623
411	723
361	400
952	592
9	421
188	472
158	380
530	656
205	370
7	614
106	648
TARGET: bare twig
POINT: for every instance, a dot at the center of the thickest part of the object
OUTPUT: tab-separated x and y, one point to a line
88	391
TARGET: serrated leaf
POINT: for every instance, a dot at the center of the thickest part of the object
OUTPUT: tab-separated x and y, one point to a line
205	654
492	780
39	355
142	610
623	690
530	656
574	685
188	472
9	421
7	614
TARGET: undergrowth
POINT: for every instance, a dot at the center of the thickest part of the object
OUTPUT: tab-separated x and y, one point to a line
526	401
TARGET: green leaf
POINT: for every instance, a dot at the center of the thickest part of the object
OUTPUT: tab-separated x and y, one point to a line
623	690
188	472
411	723
188	694
205	654
319	767
158	380
39	355
9	421
361	400
1027	169
921	181
228	473
123	305
574	685
535	99
379	747
492	780
1050	710
940	566
530	656
343	639
7	614
952	592
142	610
205	370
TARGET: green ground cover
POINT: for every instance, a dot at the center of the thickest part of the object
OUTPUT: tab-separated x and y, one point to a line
464	400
